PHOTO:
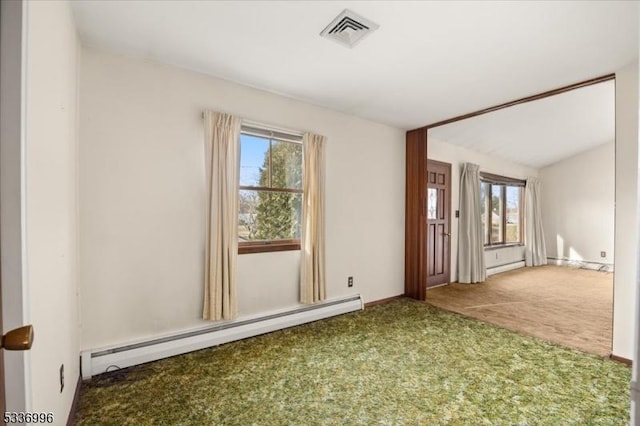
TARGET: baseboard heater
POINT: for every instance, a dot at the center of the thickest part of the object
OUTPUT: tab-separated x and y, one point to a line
504	268
583	264
98	361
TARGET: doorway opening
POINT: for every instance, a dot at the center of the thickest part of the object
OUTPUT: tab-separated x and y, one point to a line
576	168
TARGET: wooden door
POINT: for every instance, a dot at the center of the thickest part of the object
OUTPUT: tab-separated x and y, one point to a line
438	222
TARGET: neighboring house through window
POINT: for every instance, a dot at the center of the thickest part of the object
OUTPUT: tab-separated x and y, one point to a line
270	197
502	212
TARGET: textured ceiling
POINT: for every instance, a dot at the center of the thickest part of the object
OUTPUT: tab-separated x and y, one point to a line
427	62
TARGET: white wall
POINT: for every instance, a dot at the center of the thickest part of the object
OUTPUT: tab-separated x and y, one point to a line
626	214
457	156
142	200
578	205
635	397
51	204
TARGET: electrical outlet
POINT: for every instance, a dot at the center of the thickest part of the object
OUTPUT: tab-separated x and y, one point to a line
496	255
61	377
350	282
603	254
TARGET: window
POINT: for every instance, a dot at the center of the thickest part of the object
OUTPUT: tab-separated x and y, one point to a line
270	197
501	209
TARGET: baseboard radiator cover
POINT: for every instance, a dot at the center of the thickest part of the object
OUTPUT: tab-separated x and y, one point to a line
504	268
98	361
583	264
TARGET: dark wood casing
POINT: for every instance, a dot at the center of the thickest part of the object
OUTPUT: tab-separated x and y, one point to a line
415	251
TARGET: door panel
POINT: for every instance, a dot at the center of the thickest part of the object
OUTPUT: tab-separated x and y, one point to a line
438	222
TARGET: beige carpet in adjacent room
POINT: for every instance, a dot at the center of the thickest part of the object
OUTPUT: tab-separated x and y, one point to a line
565	305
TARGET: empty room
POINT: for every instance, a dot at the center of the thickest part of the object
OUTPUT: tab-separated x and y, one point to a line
225	212
566	142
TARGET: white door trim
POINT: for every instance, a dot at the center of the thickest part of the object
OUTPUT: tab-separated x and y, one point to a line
15	312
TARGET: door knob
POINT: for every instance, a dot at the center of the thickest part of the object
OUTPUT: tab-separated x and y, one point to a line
19	339
447	234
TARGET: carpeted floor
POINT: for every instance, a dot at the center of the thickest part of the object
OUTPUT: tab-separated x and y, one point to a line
402	363
570	306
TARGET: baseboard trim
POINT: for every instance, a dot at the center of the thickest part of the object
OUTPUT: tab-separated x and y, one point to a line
623	360
75	403
429	287
383	301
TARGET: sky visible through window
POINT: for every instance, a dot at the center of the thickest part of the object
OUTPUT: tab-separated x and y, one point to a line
253	150
513	198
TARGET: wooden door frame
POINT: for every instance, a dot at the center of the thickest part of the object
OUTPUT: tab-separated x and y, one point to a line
415	274
12	118
448	203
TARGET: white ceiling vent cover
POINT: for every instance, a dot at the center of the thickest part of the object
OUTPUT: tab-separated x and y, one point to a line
348	28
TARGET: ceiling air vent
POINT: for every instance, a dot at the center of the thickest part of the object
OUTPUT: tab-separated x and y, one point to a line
348	28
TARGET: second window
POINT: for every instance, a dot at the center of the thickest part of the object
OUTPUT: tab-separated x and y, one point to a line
501	210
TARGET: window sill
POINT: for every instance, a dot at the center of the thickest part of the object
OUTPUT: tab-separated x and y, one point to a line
499	246
265	247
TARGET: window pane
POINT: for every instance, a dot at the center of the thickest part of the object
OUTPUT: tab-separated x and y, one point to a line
253	160
432	203
286	165
496	214
247	202
267	216
484	190
513	214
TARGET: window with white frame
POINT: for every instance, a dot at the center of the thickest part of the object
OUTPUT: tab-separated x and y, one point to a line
270	194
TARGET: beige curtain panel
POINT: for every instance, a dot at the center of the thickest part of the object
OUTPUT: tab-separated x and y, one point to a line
471	263
535	249
222	156
312	266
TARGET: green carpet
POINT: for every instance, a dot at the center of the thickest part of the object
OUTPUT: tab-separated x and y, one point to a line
402	363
